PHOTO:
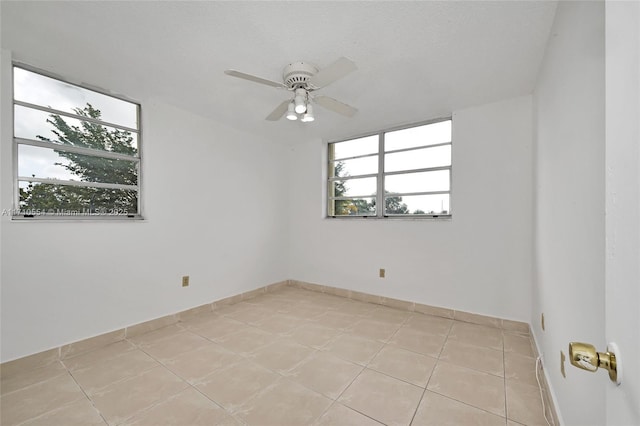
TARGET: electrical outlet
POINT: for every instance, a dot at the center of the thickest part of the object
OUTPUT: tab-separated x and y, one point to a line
542	320
185	281
382	272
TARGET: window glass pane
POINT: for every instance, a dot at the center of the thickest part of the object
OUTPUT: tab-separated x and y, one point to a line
62	200
39	125
429	134
355	147
354	207
418	159
56	164
48	92
355	167
417	204
353	187
418	182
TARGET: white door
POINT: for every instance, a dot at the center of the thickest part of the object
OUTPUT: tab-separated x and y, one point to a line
622	162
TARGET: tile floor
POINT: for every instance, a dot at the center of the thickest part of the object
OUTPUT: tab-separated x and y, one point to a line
291	357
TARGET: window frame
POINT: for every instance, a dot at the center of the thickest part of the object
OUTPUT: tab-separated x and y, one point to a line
20	214
381	175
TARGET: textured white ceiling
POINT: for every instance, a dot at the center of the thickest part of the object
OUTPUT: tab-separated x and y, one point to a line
416	60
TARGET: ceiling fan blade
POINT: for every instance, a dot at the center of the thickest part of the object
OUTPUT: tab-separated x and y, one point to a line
245	76
333	72
277	113
335	106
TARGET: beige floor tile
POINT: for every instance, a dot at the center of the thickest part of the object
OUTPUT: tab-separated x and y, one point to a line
79	413
232	308
248	339
524	404
176	345
189	407
215	327
374	330
200	318
91	343
326	374
337	320
195	365
101	374
435	311
304	312
232	386
313	335
354	349
281	355
438	410
518	344
334	303
383	398
248	313
195	313
28	363
405	365
13	382
518	327
152	325
512	423
472	387
478	335
126	398
475	357
390	315
99	355
285	403
278	323
162	333
478	319
359	308
339	415
417	341
38	399
520	367
429	324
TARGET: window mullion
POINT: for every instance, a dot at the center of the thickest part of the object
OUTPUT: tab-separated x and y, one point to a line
77	150
380	192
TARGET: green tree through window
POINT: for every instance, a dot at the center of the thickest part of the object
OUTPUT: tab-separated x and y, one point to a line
87	168
360	206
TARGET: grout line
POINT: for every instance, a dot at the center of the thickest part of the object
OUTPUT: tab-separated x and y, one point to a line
426	385
230	414
88	397
470	405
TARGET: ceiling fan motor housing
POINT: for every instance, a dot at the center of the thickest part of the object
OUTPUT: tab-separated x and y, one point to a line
296	74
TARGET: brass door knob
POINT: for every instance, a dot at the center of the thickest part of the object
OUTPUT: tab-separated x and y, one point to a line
585	356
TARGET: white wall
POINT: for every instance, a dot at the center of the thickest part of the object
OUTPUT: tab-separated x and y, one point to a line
479	261
569	204
214	208
623	205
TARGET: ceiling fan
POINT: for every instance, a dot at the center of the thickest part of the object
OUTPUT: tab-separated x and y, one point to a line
303	78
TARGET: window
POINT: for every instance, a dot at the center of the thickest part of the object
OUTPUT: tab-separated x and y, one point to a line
76	151
408	171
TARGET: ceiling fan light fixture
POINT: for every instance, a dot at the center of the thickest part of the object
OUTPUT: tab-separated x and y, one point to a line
303	79
300	101
291	113
308	116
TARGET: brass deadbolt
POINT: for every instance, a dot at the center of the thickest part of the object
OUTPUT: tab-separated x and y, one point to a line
585	357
